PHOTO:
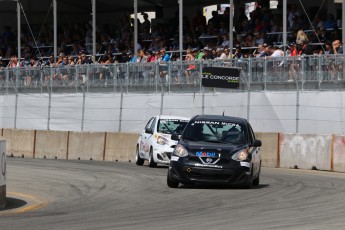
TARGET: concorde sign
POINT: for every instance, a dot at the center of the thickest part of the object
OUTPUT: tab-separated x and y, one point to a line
221	77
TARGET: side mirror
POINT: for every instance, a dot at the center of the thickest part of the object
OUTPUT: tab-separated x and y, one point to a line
257	143
175	137
148	130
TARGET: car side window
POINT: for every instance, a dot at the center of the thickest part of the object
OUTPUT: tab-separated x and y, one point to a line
153	124
148	125
251	133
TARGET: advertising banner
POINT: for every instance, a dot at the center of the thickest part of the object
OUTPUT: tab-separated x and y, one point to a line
221	77
2	163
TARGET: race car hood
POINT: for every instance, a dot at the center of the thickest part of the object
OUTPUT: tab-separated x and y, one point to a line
194	147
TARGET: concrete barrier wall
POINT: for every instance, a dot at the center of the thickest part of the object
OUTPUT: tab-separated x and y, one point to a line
20	143
2	173
51	144
305	151
86	146
120	146
339	154
269	149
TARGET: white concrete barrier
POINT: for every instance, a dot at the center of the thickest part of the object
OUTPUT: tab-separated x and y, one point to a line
339	154
2	173
51	144
269	149
305	151
120	147
19	142
86	146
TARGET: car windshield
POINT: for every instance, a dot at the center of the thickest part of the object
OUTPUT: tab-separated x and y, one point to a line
216	131
171	126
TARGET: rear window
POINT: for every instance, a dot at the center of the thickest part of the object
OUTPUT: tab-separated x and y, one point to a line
171	126
216	131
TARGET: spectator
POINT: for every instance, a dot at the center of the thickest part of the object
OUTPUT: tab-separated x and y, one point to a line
301	37
146	25
292	16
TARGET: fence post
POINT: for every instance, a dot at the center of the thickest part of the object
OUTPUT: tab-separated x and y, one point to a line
7	79
265	73
121	107
49	109
83	109
249	85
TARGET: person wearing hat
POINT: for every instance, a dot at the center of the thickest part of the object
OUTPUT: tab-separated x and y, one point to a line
207	55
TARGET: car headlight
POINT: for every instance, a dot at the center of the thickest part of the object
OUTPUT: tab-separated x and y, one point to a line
180	151
162	140
240	155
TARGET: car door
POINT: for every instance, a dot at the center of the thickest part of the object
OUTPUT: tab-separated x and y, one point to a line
147	137
143	139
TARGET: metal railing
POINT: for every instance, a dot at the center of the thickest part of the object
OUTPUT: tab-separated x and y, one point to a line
319	72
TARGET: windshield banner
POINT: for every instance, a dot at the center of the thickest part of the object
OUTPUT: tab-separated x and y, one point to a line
221	77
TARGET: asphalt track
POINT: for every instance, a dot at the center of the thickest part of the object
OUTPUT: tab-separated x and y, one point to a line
55	194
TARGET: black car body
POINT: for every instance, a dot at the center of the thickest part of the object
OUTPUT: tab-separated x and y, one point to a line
216	149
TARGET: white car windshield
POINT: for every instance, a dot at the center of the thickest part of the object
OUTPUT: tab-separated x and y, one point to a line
171	126
216	131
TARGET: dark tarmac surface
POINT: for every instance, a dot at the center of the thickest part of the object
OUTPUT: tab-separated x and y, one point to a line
56	194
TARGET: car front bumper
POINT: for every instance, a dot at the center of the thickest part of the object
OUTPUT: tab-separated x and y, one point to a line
162	154
190	173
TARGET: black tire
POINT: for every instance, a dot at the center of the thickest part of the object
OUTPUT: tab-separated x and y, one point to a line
256	181
152	162
171	182
248	183
138	159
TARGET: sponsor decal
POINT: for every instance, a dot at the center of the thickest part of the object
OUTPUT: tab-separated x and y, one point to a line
245	164
206	154
172	120
208	166
209	160
174	158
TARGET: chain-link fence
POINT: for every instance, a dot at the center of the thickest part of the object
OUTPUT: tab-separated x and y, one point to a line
317	72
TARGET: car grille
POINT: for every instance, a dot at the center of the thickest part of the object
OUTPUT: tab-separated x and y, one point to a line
211	174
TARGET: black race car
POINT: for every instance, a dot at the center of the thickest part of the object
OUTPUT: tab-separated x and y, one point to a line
216	149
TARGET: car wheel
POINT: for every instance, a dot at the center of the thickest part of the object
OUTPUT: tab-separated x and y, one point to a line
138	159
152	162
256	181
171	182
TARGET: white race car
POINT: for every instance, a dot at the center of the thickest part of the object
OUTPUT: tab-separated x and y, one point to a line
154	143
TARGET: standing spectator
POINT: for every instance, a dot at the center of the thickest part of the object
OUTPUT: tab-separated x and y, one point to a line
330	23
191	67
165	58
301	37
292	16
146	25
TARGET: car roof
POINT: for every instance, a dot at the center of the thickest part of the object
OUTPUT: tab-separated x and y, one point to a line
172	117
238	120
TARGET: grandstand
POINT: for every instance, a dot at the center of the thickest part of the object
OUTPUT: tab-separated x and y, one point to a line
273	55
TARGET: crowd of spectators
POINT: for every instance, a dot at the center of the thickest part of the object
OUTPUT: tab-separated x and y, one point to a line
202	39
